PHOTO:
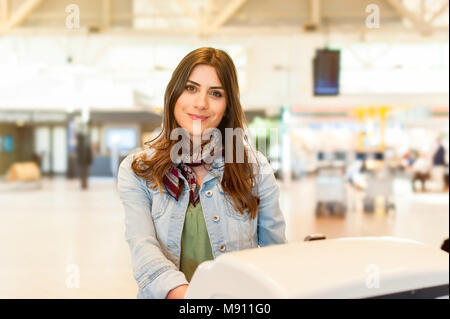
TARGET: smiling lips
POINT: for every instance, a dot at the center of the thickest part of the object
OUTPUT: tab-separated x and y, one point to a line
197	117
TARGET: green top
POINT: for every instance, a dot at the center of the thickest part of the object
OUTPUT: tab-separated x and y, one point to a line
195	244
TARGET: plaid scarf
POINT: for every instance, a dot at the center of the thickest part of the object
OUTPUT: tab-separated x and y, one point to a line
174	183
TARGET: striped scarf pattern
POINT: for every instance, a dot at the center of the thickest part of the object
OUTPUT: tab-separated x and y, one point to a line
174	183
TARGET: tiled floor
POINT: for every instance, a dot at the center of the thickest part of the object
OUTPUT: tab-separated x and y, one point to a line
62	242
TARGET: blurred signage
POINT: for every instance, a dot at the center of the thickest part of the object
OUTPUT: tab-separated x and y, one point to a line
32	117
412	114
14	117
6	144
326	66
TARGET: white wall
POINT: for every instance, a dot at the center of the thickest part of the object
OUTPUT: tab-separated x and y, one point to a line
278	70
275	62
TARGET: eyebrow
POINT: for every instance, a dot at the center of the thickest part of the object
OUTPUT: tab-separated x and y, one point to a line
212	87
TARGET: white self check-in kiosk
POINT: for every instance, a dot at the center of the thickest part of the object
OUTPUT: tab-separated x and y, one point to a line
365	267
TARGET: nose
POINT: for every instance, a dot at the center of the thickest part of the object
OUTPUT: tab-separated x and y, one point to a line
201	101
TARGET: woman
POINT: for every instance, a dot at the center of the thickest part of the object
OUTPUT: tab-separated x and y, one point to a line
216	197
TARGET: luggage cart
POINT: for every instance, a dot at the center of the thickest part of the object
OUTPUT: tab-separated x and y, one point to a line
379	185
331	198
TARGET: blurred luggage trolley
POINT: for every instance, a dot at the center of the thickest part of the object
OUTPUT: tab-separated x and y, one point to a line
331	197
379	194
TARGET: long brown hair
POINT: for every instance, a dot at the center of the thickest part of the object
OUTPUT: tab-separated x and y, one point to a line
238	178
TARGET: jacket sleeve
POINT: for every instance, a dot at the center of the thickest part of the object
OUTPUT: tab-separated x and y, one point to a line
154	273
271	223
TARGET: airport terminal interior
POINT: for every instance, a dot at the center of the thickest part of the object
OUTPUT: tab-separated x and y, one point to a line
348	100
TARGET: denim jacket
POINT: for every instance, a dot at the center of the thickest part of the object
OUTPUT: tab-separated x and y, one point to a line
154	223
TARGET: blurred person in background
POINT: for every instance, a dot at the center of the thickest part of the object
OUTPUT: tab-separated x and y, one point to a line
356	175
173	221
421	171
408	159
84	157
438	170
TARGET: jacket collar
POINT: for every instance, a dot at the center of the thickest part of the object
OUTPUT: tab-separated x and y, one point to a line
215	171
218	163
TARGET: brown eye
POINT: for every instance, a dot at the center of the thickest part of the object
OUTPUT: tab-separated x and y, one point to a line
216	93
190	88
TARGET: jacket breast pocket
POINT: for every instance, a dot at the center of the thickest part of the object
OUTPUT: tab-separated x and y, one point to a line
159	203
230	209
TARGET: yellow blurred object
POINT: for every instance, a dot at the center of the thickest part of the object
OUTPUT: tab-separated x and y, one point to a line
373	164
26	171
380	206
374	113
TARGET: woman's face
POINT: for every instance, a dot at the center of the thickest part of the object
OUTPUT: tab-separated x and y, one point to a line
202	102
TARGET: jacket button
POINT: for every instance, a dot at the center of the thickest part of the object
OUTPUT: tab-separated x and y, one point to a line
222	247
209	193
216	218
